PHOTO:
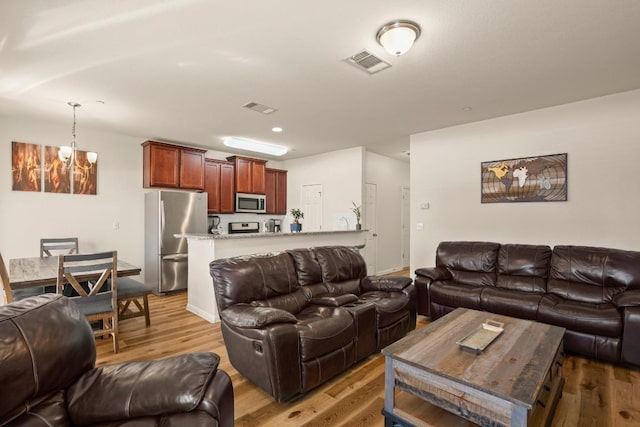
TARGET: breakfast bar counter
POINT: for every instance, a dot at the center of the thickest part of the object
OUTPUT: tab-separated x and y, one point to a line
204	248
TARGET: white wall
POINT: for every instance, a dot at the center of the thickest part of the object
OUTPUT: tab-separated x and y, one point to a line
341	175
25	217
390	176
602	139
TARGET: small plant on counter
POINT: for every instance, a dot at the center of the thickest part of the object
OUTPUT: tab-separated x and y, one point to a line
297	214
356	212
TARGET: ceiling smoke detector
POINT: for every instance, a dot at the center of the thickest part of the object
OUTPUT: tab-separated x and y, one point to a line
259	108
367	61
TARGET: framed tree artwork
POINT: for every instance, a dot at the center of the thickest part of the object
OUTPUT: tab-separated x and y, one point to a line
85	174
57	174
26	171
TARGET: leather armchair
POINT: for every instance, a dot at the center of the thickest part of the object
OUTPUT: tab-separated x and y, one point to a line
48	377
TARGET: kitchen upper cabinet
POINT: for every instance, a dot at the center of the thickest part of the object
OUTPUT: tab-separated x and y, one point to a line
192	168
276	191
250	174
219	180
172	166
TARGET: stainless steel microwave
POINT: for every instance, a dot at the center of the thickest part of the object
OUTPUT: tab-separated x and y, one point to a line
252	203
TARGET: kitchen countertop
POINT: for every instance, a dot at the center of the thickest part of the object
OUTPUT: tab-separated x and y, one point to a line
206	236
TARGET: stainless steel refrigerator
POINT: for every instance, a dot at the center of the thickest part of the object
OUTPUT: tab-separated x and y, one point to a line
165	256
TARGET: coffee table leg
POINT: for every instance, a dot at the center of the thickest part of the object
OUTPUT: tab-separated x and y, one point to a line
389	395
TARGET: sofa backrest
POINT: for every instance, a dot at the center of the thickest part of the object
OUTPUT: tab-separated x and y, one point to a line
46	344
266	280
342	268
471	263
309	272
523	267
593	275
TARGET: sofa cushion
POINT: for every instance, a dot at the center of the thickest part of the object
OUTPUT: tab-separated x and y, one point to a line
340	264
323	330
592	275
293	302
390	306
523	267
453	294
596	319
470	263
307	266
523	305
252	278
28	369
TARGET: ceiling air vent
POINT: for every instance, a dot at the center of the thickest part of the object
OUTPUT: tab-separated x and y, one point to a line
367	61
264	109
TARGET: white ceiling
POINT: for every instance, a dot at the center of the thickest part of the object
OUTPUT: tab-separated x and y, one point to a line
180	70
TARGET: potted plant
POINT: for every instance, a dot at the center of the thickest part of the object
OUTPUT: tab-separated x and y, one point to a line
297	214
357	213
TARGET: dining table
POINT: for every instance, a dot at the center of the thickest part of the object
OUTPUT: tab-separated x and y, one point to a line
35	271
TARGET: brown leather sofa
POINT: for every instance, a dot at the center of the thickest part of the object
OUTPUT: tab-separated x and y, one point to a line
294	319
48	377
592	292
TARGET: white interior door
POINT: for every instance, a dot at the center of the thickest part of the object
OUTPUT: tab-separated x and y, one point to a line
370	224
312	207
405	227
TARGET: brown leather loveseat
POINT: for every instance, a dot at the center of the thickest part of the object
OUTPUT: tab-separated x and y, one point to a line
592	292
48	378
294	319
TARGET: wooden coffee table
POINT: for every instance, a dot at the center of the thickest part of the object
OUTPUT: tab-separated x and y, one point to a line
516	381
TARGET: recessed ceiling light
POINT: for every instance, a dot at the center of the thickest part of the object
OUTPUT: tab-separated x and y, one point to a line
467	108
277	129
258	147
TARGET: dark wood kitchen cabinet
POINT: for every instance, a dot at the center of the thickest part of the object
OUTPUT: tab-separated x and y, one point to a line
276	191
219	178
250	174
172	166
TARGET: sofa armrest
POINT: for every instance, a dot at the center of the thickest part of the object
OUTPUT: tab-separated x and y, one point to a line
248	316
218	399
631	336
141	389
335	301
627	299
385	283
434	273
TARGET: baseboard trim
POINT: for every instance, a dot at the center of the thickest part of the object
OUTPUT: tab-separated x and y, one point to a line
206	316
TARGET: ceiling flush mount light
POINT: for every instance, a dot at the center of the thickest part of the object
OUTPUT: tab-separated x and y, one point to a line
258	147
66	153
397	37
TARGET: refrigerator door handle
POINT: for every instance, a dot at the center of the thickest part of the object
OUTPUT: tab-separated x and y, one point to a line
177	257
161	223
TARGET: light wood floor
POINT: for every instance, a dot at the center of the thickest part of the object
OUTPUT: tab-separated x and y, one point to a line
595	394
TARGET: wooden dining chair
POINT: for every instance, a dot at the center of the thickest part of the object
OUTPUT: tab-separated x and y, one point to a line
6	287
133	300
100	302
68	244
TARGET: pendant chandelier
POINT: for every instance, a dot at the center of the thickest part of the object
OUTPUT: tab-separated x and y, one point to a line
66	153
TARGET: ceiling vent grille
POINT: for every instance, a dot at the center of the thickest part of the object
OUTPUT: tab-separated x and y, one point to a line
264	109
367	61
